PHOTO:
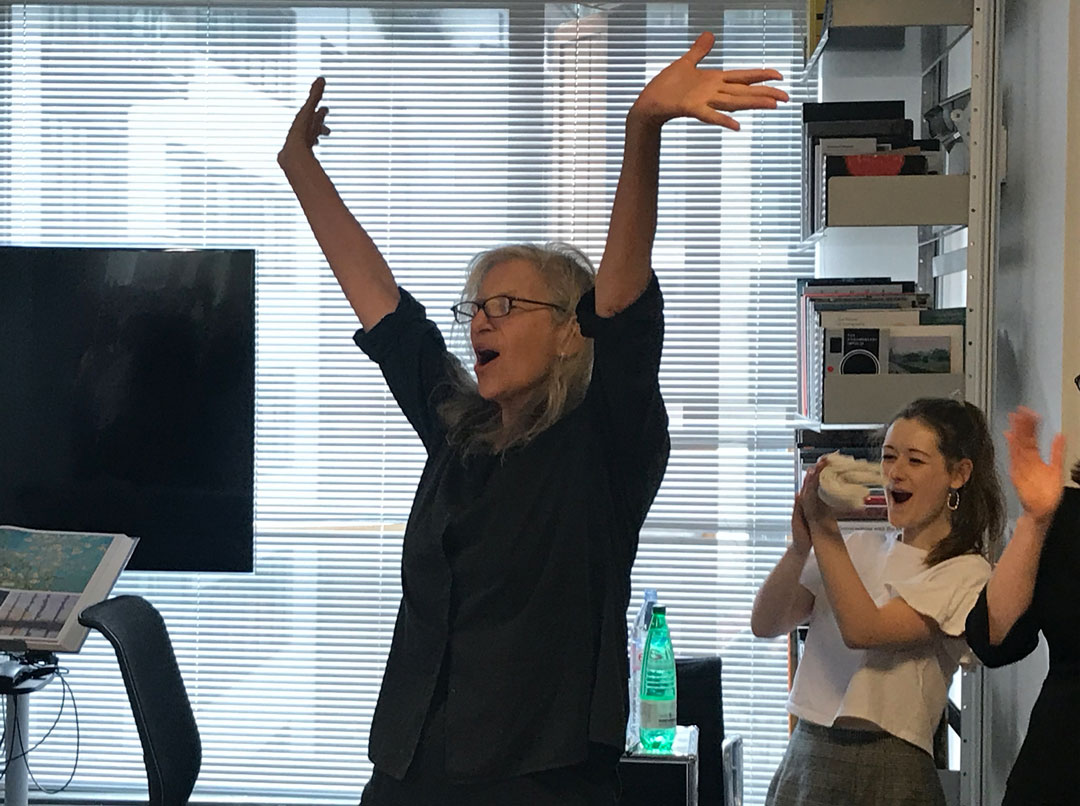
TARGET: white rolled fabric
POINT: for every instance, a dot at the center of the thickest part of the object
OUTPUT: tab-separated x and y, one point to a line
845	481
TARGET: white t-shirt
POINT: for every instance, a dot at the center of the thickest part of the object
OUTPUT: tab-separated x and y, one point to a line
903	691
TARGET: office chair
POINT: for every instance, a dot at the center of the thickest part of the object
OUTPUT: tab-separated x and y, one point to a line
699	683
172	750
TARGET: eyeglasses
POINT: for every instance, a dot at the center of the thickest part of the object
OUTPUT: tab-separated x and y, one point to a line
494	307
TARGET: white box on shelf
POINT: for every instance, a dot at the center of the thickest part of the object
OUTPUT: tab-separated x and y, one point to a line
898	201
878	398
889	13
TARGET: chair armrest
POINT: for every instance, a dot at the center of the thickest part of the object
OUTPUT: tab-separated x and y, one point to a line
731	751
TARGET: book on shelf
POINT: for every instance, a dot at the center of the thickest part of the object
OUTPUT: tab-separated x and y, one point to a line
872	512
869	373
925	349
839	285
851	110
808	456
840	439
867	346
898	350
865	120
47	578
858	138
866	317
875	155
878	163
818	294
873	163
828	147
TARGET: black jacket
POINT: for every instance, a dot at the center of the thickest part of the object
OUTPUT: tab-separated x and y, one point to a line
516	569
1044	770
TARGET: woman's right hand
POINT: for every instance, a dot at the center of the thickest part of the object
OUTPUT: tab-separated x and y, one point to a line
308	125
800	528
1039	485
817	514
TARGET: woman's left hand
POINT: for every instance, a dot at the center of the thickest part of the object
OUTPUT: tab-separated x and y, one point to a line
1039	485
682	89
308	125
818	514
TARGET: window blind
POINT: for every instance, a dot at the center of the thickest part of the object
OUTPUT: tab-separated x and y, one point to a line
457	126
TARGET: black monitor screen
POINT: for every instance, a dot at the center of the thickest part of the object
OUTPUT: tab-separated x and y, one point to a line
128	399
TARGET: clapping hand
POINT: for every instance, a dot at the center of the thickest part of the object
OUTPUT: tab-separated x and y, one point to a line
1038	484
815	511
682	89
800	528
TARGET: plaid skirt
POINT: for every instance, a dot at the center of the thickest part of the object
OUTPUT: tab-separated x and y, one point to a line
843	767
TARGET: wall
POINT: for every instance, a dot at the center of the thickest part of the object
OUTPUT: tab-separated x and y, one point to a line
885	76
1030	294
1070	395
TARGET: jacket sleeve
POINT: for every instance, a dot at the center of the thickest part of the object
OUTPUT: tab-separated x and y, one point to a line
624	393
413	357
1020	641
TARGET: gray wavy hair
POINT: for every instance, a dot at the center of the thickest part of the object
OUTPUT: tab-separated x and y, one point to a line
474	424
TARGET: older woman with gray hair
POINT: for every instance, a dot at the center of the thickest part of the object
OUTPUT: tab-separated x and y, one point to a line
506	680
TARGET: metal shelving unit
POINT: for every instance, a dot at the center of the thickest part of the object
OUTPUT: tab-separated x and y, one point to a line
956	213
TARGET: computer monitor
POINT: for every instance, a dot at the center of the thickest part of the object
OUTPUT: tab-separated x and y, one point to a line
127	381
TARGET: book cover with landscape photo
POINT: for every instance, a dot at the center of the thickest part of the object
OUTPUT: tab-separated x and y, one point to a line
48	578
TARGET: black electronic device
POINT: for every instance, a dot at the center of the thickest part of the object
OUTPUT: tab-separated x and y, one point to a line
128	399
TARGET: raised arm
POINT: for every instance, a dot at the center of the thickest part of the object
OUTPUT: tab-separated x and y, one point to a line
1039	488
681	89
782	603
354	258
863	625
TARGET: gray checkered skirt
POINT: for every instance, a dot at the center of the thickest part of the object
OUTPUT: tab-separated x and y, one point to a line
843	767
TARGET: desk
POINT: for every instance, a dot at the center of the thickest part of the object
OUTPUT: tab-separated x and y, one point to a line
668	779
18	682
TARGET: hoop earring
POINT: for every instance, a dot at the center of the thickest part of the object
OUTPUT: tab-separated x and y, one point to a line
953	501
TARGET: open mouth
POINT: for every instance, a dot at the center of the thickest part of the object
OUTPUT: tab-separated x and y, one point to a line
899	496
485	357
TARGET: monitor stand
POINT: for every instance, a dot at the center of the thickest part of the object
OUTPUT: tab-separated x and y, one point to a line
19	676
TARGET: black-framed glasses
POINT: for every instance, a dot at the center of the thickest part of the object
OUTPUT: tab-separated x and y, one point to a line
494	307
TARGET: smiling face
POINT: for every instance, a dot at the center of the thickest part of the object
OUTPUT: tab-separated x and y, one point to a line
918	481
516	352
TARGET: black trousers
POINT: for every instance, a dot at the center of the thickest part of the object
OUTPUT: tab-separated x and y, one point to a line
594	782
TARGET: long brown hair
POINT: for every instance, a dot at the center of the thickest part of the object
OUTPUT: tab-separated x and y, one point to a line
962	433
475	424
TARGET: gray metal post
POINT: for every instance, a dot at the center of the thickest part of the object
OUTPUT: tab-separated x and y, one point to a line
16	792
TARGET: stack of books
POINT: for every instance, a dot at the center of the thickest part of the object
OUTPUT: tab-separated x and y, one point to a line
858	138
868	346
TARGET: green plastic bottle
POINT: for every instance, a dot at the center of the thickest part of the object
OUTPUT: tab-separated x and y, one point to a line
658	697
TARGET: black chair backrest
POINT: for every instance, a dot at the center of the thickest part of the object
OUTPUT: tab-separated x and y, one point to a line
700	702
170	738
